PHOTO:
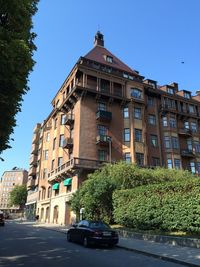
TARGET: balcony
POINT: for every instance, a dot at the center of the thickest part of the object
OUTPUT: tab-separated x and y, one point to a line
37	128
35	139
103	140
187	153
104	116
185	131
69	119
32	171
72	164
30	182
34	149
68	143
33	159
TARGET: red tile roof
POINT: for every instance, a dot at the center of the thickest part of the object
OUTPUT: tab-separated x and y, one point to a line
99	53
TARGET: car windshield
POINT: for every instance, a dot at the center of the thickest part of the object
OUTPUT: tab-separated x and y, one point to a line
99	225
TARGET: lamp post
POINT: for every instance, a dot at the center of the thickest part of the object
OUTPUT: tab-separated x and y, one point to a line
109	139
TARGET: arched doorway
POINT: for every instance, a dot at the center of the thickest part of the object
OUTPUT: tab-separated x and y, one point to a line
47	215
55	214
42	214
67	214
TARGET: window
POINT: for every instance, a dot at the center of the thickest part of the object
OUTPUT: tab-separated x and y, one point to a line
105	85
164	121
44	175
194	127
102	155
60	160
189	144
177	163
138	113
52	164
167	142
152	119
61	140
138	135
101	106
125	113
150	101
198	167
140	159
102	130
156	161
62	121
48	137
170	90
169	164
171	103
54	143
191	109
49	192
187	95
172	122
192	167
46	153
186	125
55	123
175	143
126	135
136	93
197	147
109	59
154	140
127	157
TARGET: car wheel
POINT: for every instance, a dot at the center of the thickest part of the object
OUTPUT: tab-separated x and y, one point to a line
85	242
69	239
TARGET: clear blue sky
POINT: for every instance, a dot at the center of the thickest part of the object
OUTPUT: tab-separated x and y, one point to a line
151	36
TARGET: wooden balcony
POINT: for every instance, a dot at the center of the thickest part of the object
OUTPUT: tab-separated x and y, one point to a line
104	116
69	119
103	140
185	132
68	143
187	153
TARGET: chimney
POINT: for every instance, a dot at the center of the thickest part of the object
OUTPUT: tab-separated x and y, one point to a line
98	39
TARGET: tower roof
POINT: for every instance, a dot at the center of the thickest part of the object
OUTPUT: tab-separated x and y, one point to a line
100	54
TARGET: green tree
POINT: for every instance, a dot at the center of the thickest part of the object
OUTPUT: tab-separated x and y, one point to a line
18	195
16	51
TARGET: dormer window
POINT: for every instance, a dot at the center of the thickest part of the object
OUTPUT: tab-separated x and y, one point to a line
170	90
109	59
187	95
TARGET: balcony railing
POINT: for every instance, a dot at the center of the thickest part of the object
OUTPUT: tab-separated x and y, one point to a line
187	153
33	160
34	149
69	119
103	140
103	115
68	143
32	171
75	163
185	131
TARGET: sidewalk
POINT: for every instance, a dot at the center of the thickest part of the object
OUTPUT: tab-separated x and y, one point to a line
184	255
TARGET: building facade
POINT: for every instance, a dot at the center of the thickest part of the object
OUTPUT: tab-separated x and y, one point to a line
107	112
8	181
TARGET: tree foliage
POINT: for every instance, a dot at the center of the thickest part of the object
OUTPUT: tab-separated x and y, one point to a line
16	51
95	194
18	195
169	206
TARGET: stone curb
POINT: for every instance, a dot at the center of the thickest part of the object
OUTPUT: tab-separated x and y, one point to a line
172	240
138	251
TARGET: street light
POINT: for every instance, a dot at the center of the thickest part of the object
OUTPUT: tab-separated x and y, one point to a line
109	139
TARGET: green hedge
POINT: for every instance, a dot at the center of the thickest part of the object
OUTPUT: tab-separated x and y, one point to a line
168	206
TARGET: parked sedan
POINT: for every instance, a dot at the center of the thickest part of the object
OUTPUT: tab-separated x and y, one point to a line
2	220
92	233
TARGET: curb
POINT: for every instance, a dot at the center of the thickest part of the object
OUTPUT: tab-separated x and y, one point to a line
165	258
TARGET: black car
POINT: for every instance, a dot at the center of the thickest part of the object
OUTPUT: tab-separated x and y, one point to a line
2	220
92	233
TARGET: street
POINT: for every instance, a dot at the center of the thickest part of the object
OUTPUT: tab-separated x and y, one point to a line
26	245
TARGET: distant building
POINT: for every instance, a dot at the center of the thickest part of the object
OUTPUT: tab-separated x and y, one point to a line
107	112
8	181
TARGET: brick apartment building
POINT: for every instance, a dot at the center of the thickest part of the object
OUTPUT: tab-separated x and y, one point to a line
106	112
8	181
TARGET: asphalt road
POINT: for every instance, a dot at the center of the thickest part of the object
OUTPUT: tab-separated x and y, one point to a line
26	245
